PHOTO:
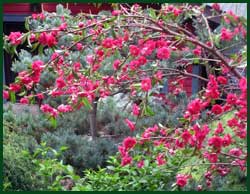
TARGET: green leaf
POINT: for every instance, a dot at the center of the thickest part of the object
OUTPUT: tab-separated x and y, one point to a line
196	61
22	93
53	122
29	43
63	148
40	49
149	111
86	103
70	169
27	26
152	13
183	120
217	40
12	97
34	47
137	85
106	25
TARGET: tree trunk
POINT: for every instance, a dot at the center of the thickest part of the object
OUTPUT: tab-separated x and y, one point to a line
92	119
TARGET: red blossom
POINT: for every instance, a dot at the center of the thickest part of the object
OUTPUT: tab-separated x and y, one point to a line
134	50
163	53
160	158
197	51
5	94
212	157
181	180
107	43
135	110
130	124
235	152
231	99
226	34
60	83
24	100
140	164
64	108
79	46
222	80
216	142
216	6
15	38
116	64
37	65
217	109
219	129
15	87
129	143
146	84
126	160
47	39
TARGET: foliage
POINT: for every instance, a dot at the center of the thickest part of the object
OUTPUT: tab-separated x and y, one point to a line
52	172
26	122
18	171
81	153
152	176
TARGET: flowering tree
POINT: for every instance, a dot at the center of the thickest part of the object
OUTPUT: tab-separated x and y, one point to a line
131	51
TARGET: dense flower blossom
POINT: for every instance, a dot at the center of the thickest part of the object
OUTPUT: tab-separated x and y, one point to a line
135	110
142	60
235	152
129	143
222	80
231	99
40	96
216	6
216	142
181	180
107	42
50	110
116	12
15	38
160	158
60	83
186	136
126	160
212	157
212	91
217	109
197	51
243	84
233	122
77	66
195	106
134	50
47	39
177	12
79	46
163	53
15	87
37	65
39	16
146	84
5	94
226	34
130	124
219	129
199	135
140	164
24	100
64	108
116	64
